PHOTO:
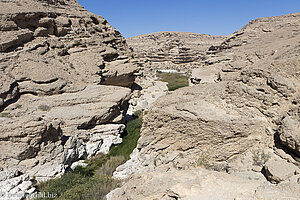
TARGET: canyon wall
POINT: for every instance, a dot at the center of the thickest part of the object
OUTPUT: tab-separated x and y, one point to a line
64	87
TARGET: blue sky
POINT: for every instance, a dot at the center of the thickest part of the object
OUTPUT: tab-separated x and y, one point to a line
215	17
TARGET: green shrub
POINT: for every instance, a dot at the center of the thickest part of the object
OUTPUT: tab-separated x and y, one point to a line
95	188
174	80
110	166
138	113
93	164
65	182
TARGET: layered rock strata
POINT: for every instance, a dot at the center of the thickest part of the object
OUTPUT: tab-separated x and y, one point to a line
240	116
171	50
65	75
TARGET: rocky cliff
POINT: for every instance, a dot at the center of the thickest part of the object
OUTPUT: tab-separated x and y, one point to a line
240	117
60	97
171	50
65	89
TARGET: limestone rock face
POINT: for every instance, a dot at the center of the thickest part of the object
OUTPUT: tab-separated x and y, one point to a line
60	66
244	97
200	184
200	120
55	46
222	118
15	185
69	123
171	50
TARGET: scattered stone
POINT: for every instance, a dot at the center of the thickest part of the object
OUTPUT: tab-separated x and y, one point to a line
257	168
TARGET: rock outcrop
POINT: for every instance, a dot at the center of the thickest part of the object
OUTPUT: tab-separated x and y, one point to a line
289	131
242	103
147	91
70	124
61	69
49	48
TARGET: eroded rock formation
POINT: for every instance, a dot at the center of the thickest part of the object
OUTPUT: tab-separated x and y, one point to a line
60	100
171	50
240	116
61	69
48	49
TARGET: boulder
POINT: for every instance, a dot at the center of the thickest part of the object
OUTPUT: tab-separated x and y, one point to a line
205	76
280	170
196	121
289	133
147	92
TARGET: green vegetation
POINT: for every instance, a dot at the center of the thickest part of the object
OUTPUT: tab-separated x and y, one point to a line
130	141
174	80
95	181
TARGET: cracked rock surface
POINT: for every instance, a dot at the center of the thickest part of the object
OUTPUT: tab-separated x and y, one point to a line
239	119
65	75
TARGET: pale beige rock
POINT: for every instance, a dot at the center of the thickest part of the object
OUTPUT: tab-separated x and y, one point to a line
199	184
196	122
290	133
58	47
54	56
14	38
150	91
205	75
49	119
248	101
279	170
171	50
